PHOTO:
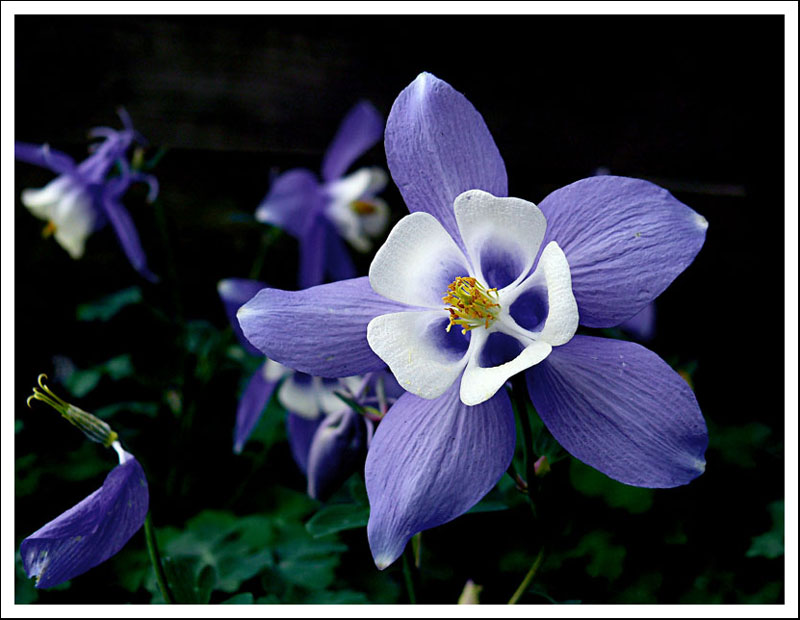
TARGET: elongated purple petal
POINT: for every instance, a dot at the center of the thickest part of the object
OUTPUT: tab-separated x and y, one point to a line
291	201
438	146
90	532
431	461
251	405
123	226
234	293
301	432
621	409
338	263
338	448
360	130
321	331
625	241
45	157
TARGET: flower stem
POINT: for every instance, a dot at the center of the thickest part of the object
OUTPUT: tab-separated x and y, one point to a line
528	578
520	392
412	598
155	559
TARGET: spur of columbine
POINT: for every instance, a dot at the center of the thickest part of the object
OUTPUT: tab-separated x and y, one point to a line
320	214
474	287
97	527
83	197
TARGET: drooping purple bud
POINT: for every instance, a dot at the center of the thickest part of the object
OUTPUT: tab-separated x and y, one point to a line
90	532
339	446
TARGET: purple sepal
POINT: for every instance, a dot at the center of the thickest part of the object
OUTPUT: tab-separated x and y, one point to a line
90	532
431	461
321	331
438	146
360	129
621	409
251	406
337	450
43	156
293	199
234	293
338	263
312	254
301	432
625	241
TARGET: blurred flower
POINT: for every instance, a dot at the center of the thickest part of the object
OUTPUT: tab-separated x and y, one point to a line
517	279
82	198
642	325
99	526
470	594
317	214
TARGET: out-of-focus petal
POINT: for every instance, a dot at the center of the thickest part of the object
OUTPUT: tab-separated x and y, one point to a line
234	293
301	432
621	409
313	243
361	129
90	532
338	448
642	326
251	405
45	157
321	331
625	241
123	226
291	201
438	146
431	461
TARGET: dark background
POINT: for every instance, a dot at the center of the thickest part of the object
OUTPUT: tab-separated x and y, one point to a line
692	103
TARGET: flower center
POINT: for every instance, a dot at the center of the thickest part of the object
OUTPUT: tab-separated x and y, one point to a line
362	207
49	229
471	304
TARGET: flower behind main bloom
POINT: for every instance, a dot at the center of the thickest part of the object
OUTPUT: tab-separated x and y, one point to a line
594	252
82	198
318	214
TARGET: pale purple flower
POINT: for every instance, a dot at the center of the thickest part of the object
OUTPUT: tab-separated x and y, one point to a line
320	213
592	253
91	531
83	197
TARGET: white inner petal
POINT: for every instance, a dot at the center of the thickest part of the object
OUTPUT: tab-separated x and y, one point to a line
274	371
417	262
300	398
552	274
361	185
500	234
406	342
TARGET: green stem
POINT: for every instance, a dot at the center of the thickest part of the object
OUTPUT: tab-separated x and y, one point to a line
528	578
268	237
520	392
155	559
412	598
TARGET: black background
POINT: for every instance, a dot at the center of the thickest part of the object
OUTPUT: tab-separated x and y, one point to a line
692	103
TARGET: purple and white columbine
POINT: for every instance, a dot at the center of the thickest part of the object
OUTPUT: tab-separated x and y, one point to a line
318	214
82	198
517	279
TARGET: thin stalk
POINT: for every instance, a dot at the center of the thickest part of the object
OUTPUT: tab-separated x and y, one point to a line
528	578
412	598
268	237
520	392
155	559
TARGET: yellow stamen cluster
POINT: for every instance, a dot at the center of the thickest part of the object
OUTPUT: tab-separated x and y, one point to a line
49	229
362	207
471	304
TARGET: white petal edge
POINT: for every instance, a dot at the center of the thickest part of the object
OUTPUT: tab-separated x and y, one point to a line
400	339
553	273
510	224
300	399
480	384
412	265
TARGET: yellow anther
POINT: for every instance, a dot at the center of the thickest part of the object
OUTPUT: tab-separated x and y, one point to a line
362	207
49	229
471	304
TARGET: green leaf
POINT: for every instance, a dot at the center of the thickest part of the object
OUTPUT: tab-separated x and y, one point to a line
338	597
739	445
488	505
81	382
105	308
592	483
187	584
245	598
770	544
147	408
336	518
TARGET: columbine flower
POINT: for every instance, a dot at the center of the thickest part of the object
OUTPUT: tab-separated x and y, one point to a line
99	526
474	287
82	198
317	214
